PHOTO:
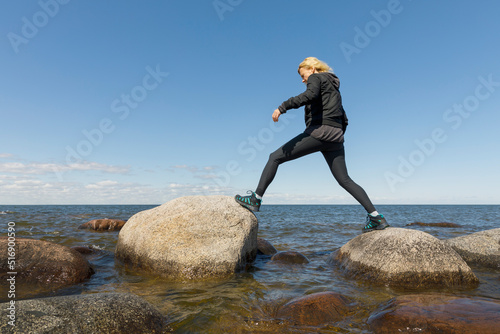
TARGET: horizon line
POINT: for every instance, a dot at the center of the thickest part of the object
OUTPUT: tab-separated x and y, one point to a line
275	204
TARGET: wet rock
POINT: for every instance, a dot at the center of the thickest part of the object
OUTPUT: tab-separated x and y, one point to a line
84	250
44	264
404	258
442	224
315	309
437	314
290	257
192	237
92	313
103	225
265	247
481	248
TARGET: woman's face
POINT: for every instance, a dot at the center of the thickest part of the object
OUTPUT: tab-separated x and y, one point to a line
305	73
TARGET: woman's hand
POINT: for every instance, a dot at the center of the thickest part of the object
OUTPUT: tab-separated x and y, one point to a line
276	115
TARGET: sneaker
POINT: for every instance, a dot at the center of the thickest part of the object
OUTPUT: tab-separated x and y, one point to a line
250	202
375	223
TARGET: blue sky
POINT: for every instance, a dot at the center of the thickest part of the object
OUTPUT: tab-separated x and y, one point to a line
140	102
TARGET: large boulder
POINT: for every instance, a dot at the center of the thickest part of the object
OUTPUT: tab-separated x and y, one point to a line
41	266
404	258
437	314
92	313
481	248
315	309
192	237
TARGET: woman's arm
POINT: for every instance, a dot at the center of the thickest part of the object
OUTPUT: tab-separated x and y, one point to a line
313	91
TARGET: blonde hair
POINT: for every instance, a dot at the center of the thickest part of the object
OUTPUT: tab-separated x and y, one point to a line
313	62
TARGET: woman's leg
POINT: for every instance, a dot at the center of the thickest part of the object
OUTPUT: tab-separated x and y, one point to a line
298	147
336	162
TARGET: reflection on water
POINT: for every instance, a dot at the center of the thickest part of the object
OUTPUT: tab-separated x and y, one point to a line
248	302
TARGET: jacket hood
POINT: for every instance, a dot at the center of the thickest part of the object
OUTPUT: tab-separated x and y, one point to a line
333	79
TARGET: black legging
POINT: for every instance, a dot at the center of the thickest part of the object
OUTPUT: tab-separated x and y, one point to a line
334	154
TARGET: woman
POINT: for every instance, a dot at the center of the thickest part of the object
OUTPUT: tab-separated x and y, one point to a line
325	126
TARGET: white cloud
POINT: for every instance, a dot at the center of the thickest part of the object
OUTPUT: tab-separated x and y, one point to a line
206	176
191	169
104	192
34	191
204	173
188	189
23	185
8	177
33	183
5	155
102	184
47	168
36	183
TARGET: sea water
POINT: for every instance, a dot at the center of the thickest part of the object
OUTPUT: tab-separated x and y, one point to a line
247	302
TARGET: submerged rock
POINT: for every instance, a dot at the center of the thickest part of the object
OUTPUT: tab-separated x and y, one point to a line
103	225
442	224
437	314
290	257
265	247
315	309
190	237
84	250
92	313
44	264
405	258
481	248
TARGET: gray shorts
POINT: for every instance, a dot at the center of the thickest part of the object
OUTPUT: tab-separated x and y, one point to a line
326	133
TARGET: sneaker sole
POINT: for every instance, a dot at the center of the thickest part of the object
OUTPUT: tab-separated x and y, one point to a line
249	207
377	228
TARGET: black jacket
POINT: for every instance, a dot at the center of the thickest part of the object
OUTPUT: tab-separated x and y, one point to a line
322	101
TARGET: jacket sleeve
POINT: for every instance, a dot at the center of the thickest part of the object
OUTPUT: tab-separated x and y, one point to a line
313	91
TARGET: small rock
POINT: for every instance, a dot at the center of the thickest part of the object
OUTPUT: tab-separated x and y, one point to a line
265	247
44	264
83	250
290	257
404	258
443	224
92	313
481	248
437	314
103	225
194	237
315	309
